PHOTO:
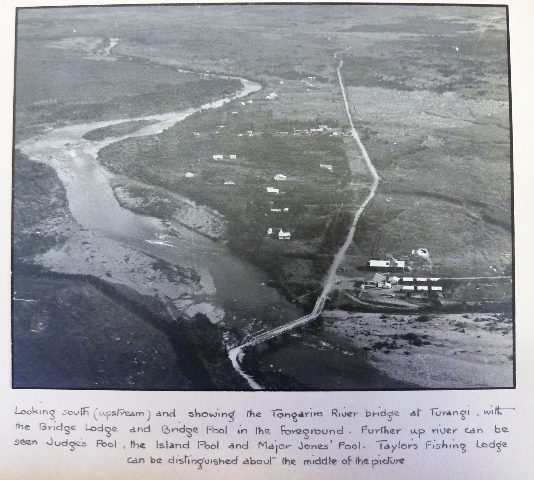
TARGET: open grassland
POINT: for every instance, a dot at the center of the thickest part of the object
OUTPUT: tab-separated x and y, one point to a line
432	108
67	86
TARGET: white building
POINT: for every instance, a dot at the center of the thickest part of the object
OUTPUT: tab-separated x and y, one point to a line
189	175
280	177
229	182
436	288
269	231
275	210
422	287
422	279
325	166
233	157
218	157
273	190
421	252
409	288
284	235
399	263
379	263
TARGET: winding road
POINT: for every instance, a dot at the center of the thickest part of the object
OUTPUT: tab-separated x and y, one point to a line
236	354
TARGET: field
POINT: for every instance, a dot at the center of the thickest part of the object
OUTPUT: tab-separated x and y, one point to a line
437	127
318	202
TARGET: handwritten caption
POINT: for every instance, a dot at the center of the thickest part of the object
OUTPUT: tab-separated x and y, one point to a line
203	438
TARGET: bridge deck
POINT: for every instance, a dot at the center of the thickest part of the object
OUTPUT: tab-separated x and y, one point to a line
275	332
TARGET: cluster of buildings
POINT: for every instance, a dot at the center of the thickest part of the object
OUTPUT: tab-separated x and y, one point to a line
389	281
279	232
218	156
403	284
421	284
321	129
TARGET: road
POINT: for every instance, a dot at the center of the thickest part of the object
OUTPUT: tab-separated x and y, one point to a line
509	277
338	258
329	281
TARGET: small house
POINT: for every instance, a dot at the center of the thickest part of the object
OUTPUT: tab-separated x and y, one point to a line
273	190
189	175
218	157
233	157
422	287
280	177
325	166
409	288
407	279
284	235
422	279
436	288
229	182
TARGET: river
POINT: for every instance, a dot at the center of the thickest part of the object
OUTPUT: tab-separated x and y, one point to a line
240	290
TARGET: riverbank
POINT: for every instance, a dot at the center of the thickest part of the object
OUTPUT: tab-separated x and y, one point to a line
433	351
91	312
170	207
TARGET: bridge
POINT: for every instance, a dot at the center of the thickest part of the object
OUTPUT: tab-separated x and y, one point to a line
286	327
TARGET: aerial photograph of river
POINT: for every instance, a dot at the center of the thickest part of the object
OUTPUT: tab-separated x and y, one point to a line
262	197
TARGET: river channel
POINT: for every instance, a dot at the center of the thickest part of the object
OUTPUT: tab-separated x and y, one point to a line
241	290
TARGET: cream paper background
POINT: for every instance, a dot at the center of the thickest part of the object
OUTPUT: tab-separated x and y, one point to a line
515	464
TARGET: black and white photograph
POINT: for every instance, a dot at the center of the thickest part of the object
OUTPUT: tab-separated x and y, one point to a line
235	197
